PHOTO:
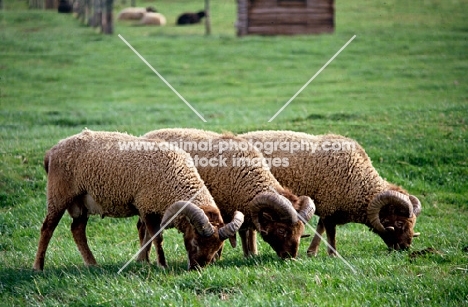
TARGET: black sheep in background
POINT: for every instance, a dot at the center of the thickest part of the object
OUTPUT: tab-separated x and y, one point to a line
64	6
190	18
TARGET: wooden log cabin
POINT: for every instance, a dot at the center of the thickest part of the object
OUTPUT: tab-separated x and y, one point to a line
285	17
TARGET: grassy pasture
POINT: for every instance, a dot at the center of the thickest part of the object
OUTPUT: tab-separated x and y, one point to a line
399	89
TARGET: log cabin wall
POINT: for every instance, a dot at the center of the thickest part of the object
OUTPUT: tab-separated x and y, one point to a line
285	17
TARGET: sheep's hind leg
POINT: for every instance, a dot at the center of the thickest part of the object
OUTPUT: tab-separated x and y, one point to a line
78	229
48	226
314	245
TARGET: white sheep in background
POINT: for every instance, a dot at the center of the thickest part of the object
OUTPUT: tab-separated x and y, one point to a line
153	19
134	13
90	173
337	173
251	189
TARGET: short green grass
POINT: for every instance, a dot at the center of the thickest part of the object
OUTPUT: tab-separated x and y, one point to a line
400	89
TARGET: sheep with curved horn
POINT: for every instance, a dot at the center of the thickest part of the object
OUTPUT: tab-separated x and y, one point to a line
102	173
338	174
239	180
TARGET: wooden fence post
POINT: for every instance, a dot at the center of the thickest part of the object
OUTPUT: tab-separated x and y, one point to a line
242	17
51	4
95	13
36	4
79	10
207	18
107	24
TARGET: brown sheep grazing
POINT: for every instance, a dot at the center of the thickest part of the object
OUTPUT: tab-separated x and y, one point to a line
238	179
337	173
94	173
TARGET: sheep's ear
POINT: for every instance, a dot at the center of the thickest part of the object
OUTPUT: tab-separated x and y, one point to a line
267	219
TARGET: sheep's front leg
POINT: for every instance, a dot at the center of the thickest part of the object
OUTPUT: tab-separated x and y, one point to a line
152	226
78	229
314	245
330	228
219	253
249	242
144	238
252	241
48	226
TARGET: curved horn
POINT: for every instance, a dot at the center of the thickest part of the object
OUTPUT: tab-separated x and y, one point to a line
306	208
274	202
194	214
232	227
416	205
395	198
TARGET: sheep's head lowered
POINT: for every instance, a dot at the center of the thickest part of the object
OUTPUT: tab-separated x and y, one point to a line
278	222
392	216
204	231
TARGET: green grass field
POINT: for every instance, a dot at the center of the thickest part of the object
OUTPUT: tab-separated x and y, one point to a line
399	89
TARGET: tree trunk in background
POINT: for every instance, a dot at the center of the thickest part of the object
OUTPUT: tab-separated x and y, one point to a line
107	24
207	18
133	3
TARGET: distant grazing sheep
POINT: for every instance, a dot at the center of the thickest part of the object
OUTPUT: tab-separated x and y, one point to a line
239	180
134	13
339	176
90	173
190	18
153	19
64	6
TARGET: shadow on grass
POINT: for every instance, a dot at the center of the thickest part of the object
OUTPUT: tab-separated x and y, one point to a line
252	261
11	278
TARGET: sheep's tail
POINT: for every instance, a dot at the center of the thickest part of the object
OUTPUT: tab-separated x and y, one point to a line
46	162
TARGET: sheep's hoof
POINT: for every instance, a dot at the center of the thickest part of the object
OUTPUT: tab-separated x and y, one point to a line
142	259
91	264
162	266
312	253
